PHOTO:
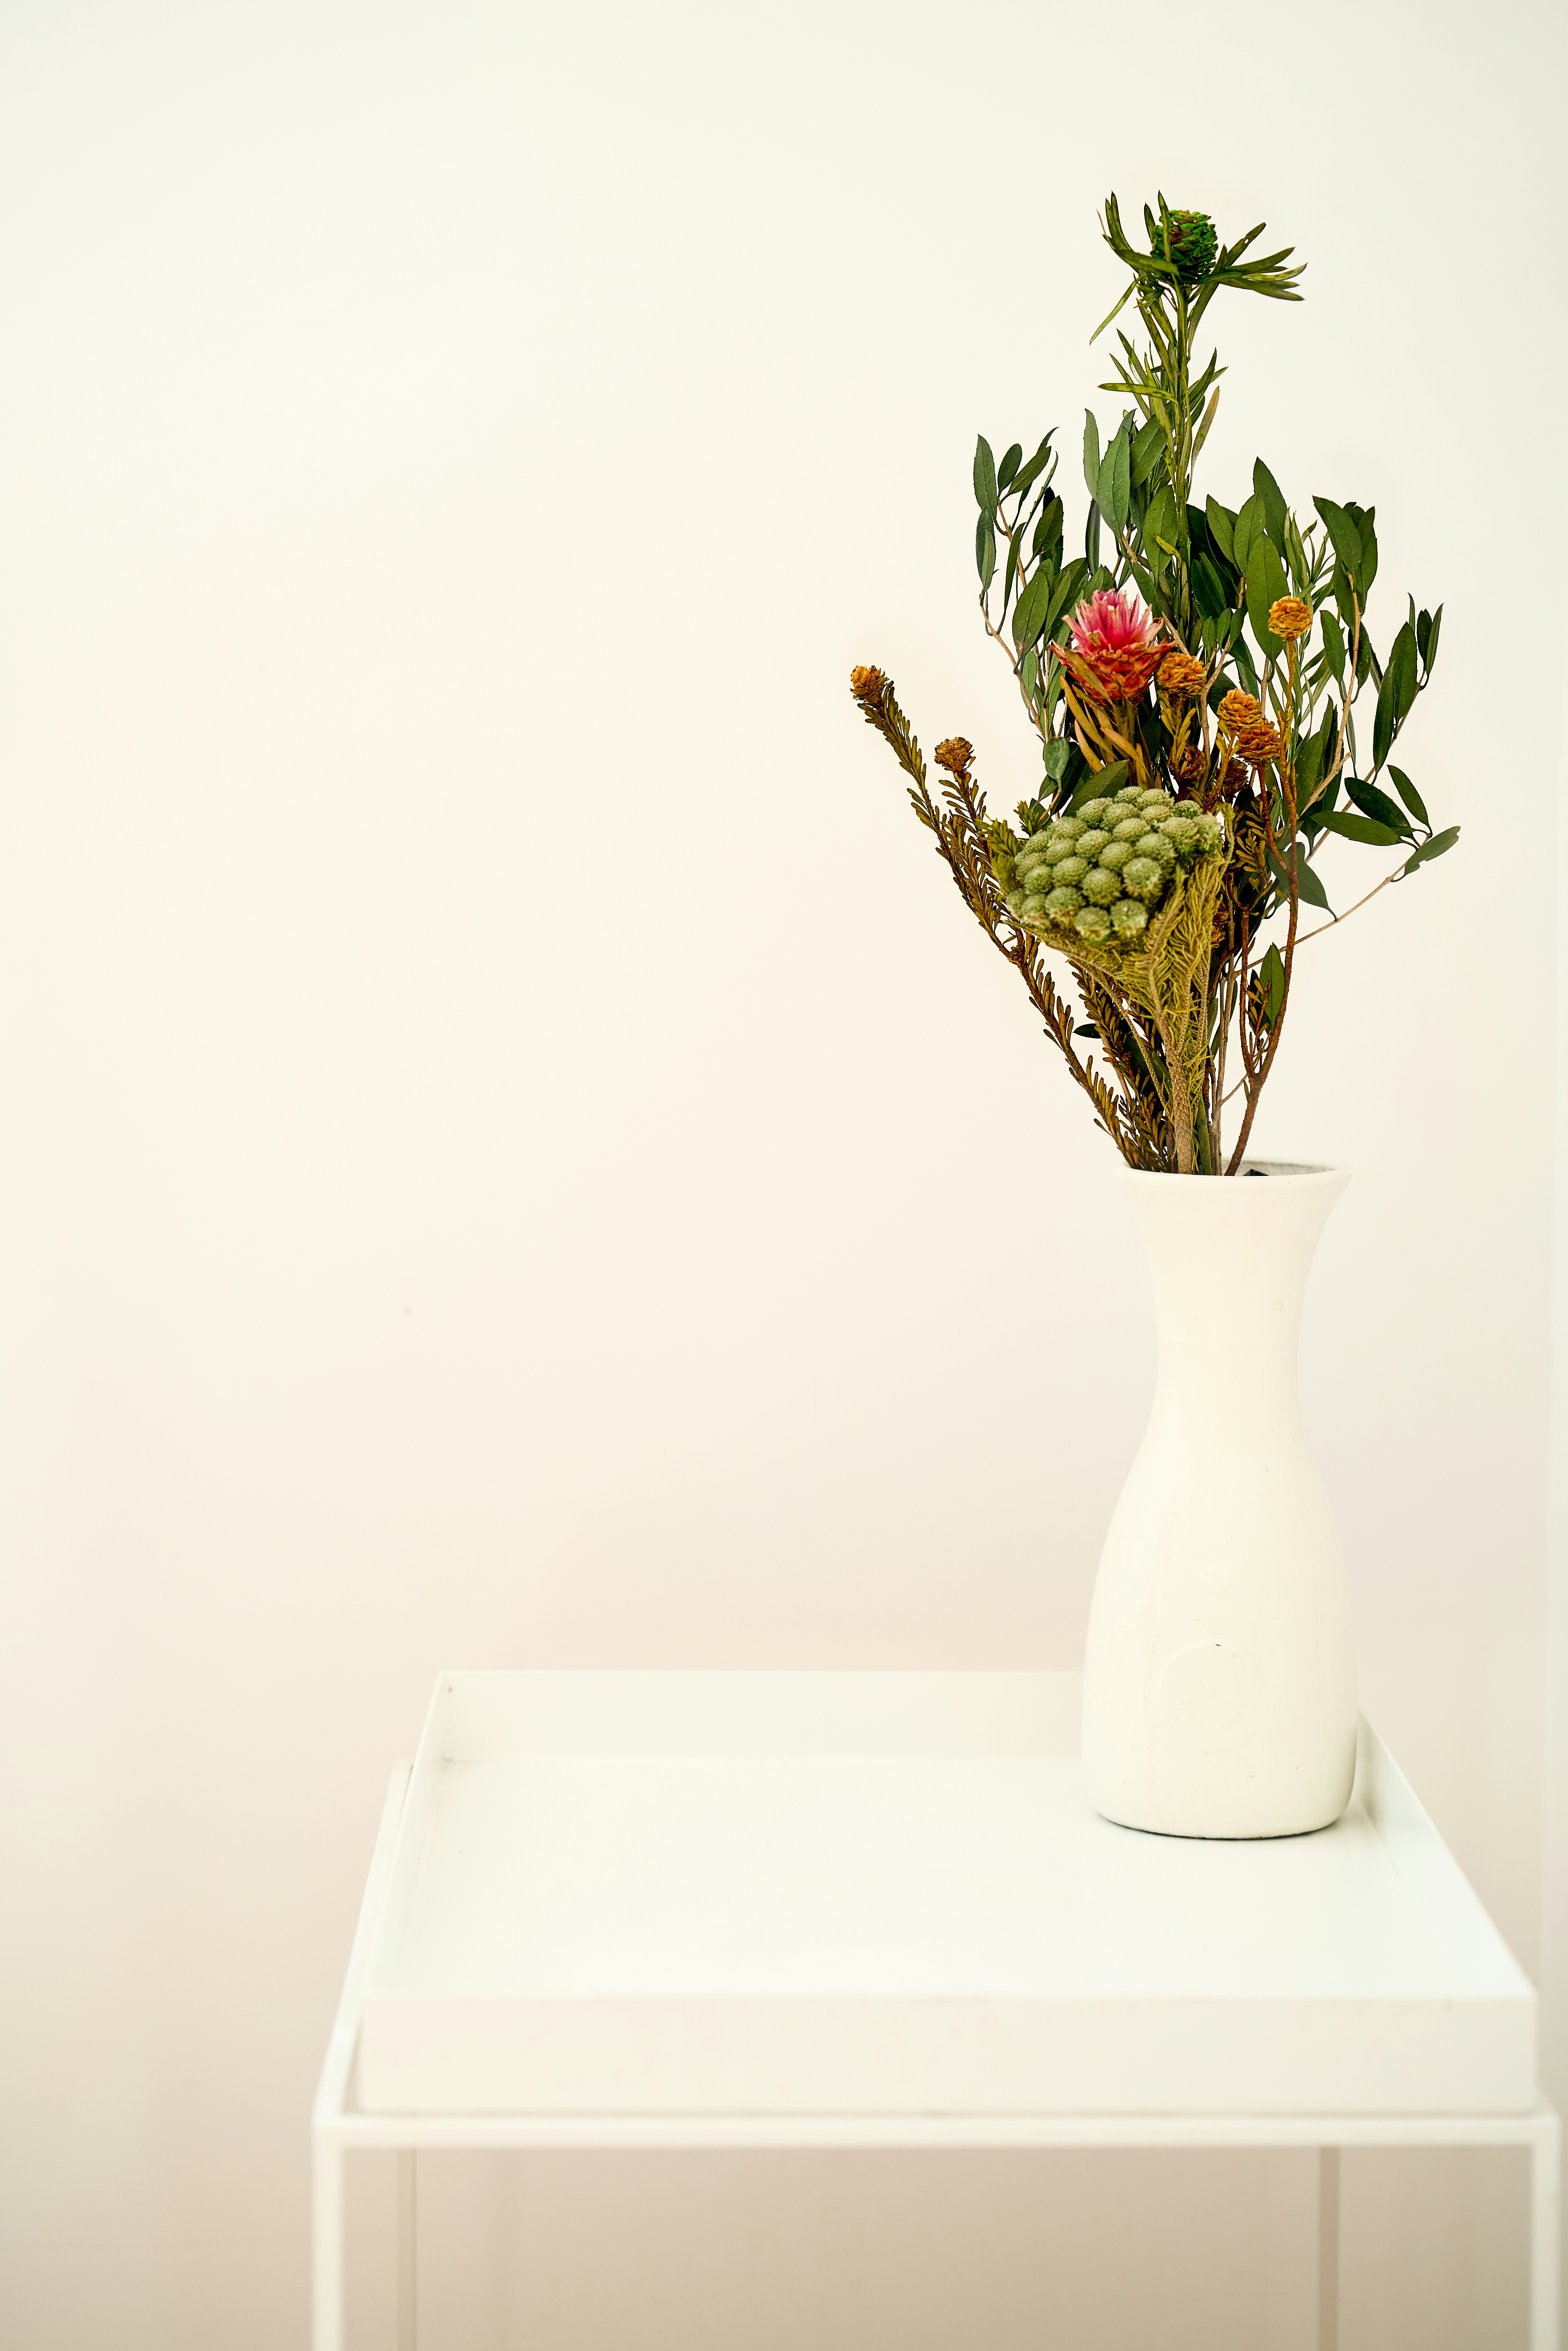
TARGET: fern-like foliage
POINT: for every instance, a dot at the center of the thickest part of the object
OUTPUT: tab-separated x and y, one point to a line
1135	1112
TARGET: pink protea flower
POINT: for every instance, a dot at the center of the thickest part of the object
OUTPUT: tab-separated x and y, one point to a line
1116	646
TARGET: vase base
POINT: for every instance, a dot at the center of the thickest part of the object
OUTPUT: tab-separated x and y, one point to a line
1122	1820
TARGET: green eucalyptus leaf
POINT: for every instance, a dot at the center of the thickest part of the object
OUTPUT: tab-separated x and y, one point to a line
1010	575
1057	755
1275	514
1334	646
1309	767
1033	607
1265	585
1210	594
1248	524
1308	887
1032	473
1401	670
1410	795
1362	827
1148	448
1090	453
1363	519
1437	846
1065	595
1432	647
1046	545
1114	492
1377	805
1221	523
1009	466
1100	783
1343	533
1272	973
984	550
985	478
1387	716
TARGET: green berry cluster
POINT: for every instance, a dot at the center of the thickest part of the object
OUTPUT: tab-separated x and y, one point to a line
1105	871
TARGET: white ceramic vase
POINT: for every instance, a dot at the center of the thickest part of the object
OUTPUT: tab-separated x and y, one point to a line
1219	1682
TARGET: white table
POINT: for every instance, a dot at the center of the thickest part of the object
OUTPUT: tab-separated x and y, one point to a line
834	1910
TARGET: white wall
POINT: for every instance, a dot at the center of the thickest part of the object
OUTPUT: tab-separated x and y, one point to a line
511	1152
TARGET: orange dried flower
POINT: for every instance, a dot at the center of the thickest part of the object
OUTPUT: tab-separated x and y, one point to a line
1235	777
1289	617
1180	674
955	754
1260	743
1239	710
866	684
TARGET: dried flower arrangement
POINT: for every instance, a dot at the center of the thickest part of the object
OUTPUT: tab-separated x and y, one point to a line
1190	776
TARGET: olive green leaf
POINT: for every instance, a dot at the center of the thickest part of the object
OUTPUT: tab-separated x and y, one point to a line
1274	510
1436	846
1410	795
1377	805
1249	521
1265	585
1343	533
1221	523
1090	453
985	478
1362	828
985	549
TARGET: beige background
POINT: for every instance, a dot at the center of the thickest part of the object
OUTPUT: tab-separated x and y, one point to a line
511	1152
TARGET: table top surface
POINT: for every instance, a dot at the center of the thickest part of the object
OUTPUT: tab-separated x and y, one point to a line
592	1863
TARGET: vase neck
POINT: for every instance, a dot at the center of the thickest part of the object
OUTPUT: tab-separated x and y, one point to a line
1229	1256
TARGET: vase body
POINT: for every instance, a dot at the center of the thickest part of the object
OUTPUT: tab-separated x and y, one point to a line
1219	1680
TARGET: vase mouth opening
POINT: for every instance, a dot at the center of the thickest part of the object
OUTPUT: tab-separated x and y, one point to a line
1275	1171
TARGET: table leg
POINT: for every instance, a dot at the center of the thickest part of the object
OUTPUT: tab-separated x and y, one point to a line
407	2252
1328	2249
325	2246
1544	2245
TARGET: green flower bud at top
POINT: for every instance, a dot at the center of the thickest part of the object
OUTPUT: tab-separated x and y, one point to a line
1093	810
1070	869
1062	846
1115	853
1143	877
1093	922
1089	844
1128	918
1062	905
1039	843
1156	803
1193	243
1132	828
1101	886
1068	828
1130	794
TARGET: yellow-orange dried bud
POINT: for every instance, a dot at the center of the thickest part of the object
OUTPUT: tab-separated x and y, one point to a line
1190	766
1239	710
866	684
1289	617
1236	775
955	754
1180	674
1260	743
